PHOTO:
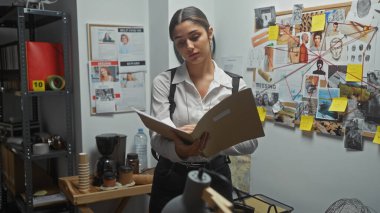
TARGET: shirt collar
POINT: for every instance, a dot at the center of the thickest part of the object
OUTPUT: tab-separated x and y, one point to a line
220	77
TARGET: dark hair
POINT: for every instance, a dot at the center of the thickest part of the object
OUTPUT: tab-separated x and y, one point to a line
319	33
320	61
192	14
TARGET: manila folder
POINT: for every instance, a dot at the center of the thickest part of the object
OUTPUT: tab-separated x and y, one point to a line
235	119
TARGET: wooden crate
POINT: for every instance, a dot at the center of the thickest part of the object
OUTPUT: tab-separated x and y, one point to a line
14	174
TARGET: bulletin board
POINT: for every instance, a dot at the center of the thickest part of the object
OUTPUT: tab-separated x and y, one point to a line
316	67
117	66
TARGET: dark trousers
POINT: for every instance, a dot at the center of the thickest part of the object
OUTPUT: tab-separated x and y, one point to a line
170	178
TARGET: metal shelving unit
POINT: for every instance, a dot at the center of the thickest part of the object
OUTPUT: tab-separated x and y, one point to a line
27	21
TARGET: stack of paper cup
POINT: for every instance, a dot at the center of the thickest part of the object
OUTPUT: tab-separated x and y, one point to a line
83	172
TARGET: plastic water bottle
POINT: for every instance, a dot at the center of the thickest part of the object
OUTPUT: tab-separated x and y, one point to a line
140	143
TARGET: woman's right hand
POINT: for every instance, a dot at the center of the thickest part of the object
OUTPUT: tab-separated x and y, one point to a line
195	149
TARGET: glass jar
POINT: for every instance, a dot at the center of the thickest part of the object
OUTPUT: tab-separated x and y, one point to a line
125	175
133	162
109	179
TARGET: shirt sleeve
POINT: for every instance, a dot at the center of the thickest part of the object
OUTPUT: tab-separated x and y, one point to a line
243	148
160	110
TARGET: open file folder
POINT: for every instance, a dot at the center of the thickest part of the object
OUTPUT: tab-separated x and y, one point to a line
233	120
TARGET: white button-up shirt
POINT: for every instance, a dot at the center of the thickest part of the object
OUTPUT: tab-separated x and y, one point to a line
190	107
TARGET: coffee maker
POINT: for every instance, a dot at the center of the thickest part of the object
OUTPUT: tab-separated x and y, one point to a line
112	148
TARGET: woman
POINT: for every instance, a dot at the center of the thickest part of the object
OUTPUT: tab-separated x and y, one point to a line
124	39
200	85
107	38
317	41
105	75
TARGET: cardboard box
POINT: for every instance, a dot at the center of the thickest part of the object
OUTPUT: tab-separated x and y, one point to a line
13	170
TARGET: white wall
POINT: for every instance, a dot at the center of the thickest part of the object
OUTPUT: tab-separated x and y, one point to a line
119	12
308	172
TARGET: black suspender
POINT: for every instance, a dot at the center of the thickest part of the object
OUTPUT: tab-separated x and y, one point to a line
235	81
172	89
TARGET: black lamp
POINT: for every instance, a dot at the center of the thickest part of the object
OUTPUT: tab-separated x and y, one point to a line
195	195
191	199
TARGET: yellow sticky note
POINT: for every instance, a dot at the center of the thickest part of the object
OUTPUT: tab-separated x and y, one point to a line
354	72
339	104
306	122
376	139
262	113
318	22
273	32
38	86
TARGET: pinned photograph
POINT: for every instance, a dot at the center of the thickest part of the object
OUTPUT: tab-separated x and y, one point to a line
297	14
335	18
372	112
288	113
337	75
306	20
317	41
105	100
362	12
353	138
266	100
334	128
336	49
265	17
309	106
325	97
311	85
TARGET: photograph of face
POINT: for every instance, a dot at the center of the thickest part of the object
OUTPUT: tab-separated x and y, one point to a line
297	14
333	29
317	41
124	44
305	39
334	18
336	48
373	81
107	74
